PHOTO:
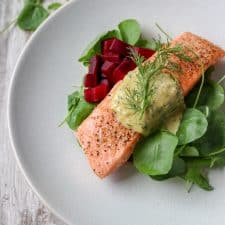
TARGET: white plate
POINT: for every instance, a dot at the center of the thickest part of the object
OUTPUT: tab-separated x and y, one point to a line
50	157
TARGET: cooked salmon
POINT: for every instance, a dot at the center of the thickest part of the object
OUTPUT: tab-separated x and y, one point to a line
107	144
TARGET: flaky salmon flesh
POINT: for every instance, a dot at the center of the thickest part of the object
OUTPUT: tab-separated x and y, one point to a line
107	144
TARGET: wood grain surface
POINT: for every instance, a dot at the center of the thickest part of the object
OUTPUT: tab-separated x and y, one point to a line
18	204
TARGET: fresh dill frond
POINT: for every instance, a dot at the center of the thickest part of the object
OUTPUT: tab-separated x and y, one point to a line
138	98
164	32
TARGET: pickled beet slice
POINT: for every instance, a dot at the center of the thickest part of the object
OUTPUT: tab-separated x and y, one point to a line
120	71
99	92
106	46
90	80
88	94
119	47
96	94
108	67
95	65
145	52
112	57
107	83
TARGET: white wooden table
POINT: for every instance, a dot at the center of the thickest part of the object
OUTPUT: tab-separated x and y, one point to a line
18	203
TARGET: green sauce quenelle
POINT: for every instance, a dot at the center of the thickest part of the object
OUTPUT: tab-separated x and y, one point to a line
166	100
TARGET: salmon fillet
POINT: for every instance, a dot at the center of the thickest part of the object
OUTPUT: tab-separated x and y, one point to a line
107	144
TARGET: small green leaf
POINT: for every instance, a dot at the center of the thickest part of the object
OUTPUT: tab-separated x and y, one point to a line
130	31
95	46
214	137
194	175
31	17
73	100
79	112
217	161
209	71
189	151
205	110
54	6
154	155
33	2
212	95
151	44
193	125
178	168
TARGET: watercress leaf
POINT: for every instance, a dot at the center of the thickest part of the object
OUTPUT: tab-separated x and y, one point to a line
73	100
196	176
130	31
193	125
79	113
95	46
31	17
205	110
189	151
151	44
209	71
154	155
142	43
212	95
218	160
178	168
214	138
33	1
54	6
198	162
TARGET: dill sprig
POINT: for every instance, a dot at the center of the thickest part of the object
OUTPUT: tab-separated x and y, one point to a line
163	31
138	98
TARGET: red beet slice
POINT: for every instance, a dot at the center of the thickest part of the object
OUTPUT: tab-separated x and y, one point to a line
107	83
120	72
99	92
95	64
112	57
106	46
96	94
119	47
90	80
108	67
145	52
88	94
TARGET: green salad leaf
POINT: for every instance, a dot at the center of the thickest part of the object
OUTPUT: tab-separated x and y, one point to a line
73	100
195	175
212	95
33	1
178	168
214	138
79	113
32	16
54	6
193	125
208	72
218	160
189	151
78	110
205	110
130	31
154	156
95	46
151	44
